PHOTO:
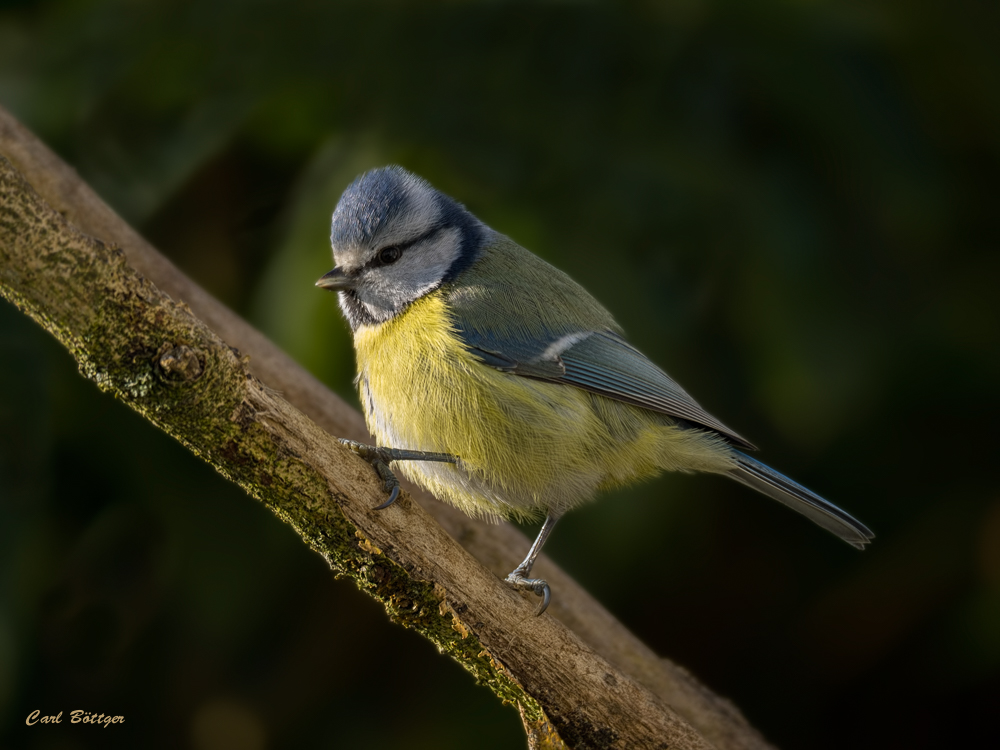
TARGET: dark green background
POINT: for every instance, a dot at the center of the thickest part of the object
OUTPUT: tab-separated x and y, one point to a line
791	206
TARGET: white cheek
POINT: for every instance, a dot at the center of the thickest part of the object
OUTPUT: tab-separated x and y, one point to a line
418	272
429	261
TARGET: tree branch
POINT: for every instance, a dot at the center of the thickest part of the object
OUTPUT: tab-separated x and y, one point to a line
263	422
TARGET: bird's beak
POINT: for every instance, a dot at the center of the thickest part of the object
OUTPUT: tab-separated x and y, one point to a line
336	280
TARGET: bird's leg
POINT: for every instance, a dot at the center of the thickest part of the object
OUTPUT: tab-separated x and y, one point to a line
519	576
380	458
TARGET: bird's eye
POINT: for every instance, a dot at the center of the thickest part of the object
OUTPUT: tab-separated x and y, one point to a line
389	255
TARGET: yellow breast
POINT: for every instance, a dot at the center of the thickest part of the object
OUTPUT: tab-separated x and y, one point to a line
524	446
422	390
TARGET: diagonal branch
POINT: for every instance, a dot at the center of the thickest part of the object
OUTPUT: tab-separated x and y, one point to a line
594	682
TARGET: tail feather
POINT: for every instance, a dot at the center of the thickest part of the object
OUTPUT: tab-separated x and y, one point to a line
764	479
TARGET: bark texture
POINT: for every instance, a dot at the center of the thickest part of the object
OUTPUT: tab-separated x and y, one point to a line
178	357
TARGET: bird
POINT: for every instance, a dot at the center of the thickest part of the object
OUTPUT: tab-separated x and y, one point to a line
493	380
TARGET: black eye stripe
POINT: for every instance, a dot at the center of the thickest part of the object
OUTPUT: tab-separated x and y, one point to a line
400	248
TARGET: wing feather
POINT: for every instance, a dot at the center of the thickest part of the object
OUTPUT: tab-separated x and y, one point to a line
599	362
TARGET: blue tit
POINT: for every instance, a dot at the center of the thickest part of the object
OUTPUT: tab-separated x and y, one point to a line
502	386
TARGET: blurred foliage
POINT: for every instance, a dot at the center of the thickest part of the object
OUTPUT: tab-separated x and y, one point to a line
789	205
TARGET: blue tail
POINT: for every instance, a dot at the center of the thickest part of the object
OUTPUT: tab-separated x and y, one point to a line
764	479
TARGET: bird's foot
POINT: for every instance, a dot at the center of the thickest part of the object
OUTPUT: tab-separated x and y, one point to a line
537	586
380	458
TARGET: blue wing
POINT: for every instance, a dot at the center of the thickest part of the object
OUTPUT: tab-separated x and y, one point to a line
601	362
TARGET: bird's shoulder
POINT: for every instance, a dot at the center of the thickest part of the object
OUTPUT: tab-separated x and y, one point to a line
510	290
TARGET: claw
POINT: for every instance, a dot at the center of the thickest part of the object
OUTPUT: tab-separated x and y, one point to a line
380	458
546	595
537	586
392	498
